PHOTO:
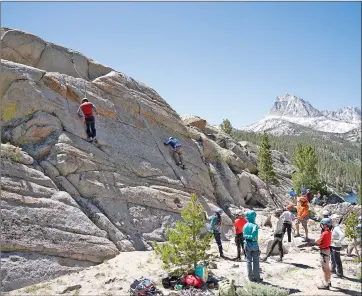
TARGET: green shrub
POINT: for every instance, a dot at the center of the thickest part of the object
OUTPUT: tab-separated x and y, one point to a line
187	243
256	289
11	152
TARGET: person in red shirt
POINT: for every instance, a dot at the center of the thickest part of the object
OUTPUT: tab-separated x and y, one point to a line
87	109
324	243
239	224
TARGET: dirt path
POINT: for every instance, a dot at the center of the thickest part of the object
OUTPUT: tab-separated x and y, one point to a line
300	272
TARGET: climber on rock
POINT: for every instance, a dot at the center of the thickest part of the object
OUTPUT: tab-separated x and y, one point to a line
177	151
87	109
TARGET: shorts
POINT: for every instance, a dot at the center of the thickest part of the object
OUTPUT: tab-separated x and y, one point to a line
324	259
303	221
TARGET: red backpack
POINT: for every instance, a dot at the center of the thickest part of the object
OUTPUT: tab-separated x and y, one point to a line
193	280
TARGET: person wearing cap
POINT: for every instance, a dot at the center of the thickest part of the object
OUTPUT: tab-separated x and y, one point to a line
288	217
324	243
278	236
239	224
215	228
302	216
177	151
250	232
87	109
336	246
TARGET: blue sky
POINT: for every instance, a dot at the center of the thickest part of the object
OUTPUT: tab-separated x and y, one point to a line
213	59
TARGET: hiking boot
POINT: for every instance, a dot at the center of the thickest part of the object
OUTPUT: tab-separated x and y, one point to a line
264	259
90	139
306	240
259	280
297	235
337	275
324	286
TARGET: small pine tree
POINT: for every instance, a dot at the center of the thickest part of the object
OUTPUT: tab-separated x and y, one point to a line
351	232
265	162
187	243
226	126
305	159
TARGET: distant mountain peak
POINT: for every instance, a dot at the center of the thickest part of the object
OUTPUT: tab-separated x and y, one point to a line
292	106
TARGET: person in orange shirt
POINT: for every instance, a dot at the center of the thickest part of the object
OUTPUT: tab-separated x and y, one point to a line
302	216
239	224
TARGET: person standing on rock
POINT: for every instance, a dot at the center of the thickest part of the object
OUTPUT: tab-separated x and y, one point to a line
309	195
278	237
239	224
215	228
250	233
302	216
337	238
87	109
177	151
324	243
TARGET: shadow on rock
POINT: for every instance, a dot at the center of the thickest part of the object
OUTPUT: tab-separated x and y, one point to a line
347	291
352	279
299	265
291	291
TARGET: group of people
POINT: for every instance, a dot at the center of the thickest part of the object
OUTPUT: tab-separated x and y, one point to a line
246	238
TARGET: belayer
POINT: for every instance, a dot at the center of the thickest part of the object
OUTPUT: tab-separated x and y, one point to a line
87	109
177	151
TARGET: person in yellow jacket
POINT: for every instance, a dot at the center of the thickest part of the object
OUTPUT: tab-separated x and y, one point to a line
302	216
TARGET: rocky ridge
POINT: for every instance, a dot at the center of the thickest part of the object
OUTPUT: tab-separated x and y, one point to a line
291	115
67	204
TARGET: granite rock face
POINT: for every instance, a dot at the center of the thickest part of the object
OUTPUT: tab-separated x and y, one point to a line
67	203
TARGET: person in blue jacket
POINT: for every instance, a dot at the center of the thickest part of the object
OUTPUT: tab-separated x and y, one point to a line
250	231
177	151
292	193
215	228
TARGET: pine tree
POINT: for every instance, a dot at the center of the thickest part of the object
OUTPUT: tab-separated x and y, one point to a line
265	162
226	126
305	159
187	243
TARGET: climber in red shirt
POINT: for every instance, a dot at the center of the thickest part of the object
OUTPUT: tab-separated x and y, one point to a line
87	108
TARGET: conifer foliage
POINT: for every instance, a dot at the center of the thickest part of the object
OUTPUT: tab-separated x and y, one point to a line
265	162
188	242
227	127
305	159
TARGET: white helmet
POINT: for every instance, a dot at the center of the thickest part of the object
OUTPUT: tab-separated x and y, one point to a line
170	138
335	218
325	213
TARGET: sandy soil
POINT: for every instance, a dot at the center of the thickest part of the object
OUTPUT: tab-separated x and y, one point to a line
300	272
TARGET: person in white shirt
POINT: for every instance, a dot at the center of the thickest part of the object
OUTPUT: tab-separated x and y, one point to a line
278	237
336	246
287	218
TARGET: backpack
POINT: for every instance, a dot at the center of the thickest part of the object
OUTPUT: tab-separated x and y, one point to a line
194	281
144	287
227	288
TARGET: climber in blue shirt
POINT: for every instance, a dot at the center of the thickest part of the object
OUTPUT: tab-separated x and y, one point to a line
176	151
